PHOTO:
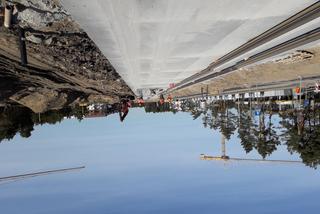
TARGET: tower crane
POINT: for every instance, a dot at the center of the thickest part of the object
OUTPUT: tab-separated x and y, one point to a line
226	158
36	174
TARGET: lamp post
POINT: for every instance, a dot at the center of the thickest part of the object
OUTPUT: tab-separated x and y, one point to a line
300	91
22	46
223	146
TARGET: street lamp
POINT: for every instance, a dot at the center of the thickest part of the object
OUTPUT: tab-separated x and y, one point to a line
300	78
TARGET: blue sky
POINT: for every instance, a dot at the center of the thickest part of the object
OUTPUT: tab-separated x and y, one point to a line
148	164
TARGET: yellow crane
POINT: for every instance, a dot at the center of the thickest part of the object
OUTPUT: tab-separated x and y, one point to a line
226	158
36	174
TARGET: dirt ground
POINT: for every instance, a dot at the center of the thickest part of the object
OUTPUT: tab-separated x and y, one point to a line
304	63
64	66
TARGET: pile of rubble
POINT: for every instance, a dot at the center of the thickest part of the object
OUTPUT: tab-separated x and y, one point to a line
74	63
295	57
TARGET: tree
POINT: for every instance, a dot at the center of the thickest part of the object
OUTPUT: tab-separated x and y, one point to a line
15	120
301	134
267	138
245	131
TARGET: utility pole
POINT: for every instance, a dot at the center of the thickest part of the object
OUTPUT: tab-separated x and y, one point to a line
300	91
22	46
201	93
250	94
207	91
223	147
239	111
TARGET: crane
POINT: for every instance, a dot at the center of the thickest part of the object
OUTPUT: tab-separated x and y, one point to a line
226	158
36	174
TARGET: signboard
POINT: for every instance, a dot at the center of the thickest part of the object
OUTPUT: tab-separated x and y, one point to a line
257	111
172	85
297	91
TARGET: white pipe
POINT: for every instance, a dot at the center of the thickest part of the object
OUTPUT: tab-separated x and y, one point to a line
7	16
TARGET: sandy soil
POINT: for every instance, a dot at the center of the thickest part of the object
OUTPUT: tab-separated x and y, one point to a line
286	69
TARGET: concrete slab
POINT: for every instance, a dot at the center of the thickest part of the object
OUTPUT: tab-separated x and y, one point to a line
152	43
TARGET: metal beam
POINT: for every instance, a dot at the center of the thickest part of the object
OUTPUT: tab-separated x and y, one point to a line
29	175
304	39
295	21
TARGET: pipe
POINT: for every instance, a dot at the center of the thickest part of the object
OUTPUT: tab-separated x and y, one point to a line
7	16
22	46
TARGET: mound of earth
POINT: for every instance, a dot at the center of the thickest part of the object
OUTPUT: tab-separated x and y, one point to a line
64	66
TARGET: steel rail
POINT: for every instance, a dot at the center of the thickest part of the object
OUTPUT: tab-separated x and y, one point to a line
308	14
303	39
